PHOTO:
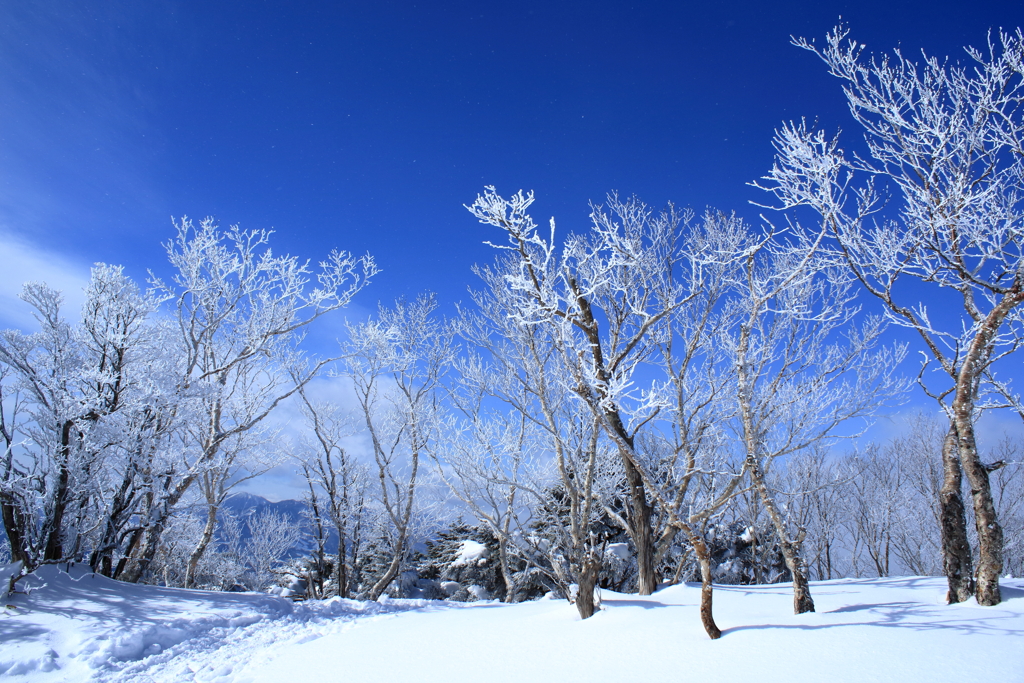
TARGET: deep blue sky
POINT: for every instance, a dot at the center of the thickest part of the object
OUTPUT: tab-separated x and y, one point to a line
366	126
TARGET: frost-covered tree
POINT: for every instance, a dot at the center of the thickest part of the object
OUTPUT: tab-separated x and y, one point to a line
795	384
338	485
946	142
271	536
636	294
516	394
108	423
604	297
490	465
82	394
396	364
240	312
814	487
688	467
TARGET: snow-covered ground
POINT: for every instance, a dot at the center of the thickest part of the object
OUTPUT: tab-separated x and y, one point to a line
78	627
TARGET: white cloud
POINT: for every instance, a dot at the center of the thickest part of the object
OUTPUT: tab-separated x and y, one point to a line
22	262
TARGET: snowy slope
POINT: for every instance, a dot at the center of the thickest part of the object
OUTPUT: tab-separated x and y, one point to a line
81	627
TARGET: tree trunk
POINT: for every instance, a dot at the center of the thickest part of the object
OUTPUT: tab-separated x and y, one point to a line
643	535
802	601
640	510
136	536
707	617
828	562
639	517
990	533
139	563
102	556
956	549
14	525
342	570
392	570
204	542
54	527
752	442
587	582
506	570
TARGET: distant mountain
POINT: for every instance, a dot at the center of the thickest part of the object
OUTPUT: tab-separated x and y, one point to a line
245	505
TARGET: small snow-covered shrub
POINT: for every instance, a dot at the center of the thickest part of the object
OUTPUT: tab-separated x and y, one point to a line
463	561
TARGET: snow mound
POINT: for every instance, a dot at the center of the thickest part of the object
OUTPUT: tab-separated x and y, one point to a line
470	553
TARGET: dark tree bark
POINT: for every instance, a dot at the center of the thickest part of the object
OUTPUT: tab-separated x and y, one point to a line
54	528
642	532
14	525
640	511
956	549
121	505
10	512
342	571
802	601
707	617
135	537
791	550
587	582
990	533
134	568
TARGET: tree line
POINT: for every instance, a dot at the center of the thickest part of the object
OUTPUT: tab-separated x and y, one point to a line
634	391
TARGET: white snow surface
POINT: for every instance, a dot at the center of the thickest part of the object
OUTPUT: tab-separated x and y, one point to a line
83	627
